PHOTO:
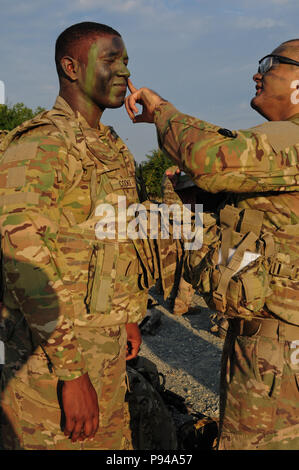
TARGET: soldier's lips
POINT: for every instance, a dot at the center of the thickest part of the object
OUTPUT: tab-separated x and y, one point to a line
259	90
122	86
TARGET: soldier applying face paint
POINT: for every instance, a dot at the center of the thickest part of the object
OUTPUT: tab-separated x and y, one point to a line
248	266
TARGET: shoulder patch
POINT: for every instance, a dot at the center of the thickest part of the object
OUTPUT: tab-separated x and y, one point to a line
20	151
280	134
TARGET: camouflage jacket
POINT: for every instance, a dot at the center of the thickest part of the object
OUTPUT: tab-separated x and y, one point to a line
169	196
260	166
53	175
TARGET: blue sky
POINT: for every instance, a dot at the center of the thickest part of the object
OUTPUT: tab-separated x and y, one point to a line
199	54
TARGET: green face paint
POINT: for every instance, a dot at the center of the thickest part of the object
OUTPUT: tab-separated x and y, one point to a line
106	76
91	65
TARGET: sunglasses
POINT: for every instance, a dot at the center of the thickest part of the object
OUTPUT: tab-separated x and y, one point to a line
268	61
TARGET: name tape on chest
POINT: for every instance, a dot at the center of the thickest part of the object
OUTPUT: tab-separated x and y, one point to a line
124	183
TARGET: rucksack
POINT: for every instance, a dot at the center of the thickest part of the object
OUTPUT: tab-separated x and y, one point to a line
152	425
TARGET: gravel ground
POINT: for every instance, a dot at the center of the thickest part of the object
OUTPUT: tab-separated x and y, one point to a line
188	354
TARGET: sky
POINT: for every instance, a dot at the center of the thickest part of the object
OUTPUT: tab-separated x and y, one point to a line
198	54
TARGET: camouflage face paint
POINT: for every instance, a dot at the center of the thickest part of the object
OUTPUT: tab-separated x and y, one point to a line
106	74
91	64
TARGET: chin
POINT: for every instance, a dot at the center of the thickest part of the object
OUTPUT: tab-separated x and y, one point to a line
116	104
255	105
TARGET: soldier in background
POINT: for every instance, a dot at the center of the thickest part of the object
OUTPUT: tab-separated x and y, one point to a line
182	292
186	190
248	267
71	302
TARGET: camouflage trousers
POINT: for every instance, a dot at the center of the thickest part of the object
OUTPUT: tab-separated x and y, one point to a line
259	391
183	298
32	417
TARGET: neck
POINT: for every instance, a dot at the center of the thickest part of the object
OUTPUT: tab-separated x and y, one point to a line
91	113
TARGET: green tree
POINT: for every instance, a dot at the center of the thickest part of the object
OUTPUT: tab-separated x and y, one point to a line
13	115
153	170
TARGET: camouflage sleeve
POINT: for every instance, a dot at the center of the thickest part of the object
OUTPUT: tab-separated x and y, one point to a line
222	160
32	182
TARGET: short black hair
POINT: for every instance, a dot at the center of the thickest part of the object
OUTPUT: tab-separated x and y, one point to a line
70	36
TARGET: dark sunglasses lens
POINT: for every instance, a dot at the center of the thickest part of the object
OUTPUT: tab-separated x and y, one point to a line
265	65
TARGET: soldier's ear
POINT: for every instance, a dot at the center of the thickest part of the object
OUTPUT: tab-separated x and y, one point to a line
70	67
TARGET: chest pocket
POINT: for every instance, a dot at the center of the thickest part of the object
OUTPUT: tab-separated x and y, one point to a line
113	277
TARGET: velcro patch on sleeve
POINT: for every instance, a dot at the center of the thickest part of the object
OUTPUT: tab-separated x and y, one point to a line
16	177
20	151
19	198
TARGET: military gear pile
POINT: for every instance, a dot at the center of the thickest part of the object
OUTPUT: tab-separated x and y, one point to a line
151	422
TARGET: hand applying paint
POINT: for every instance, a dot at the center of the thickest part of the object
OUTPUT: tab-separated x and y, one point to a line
147	98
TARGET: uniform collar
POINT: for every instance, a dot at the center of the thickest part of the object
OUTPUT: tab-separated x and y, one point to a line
61	105
295	117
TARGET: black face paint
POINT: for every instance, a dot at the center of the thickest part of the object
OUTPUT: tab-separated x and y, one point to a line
106	76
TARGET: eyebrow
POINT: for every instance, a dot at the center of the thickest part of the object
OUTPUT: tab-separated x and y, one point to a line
113	54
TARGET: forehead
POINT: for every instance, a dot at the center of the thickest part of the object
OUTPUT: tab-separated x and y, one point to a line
290	50
102	46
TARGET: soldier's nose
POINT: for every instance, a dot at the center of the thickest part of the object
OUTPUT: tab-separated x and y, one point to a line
257	76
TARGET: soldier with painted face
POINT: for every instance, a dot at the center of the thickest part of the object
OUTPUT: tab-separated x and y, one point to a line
71	299
248	267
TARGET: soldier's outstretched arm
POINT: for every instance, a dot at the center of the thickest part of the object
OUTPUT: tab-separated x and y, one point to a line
218	159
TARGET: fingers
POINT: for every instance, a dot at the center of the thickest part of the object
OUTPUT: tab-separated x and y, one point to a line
170	173
95	423
174	178
90	427
133	350
69	426
131	86
130	101
130	104
81	430
77	431
131	356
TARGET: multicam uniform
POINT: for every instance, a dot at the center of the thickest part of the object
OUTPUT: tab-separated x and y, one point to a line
67	295
248	268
